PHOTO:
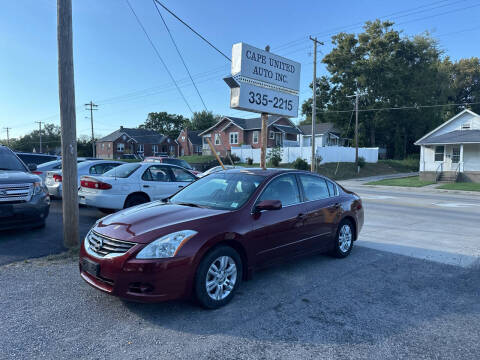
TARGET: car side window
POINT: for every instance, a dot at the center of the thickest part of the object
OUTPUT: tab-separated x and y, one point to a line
157	173
332	188
314	187
283	188
182	175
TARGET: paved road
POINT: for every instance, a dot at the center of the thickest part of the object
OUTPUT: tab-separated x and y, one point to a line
428	225
16	245
372	305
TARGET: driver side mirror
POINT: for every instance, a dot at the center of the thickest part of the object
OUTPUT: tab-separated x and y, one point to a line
32	167
268	205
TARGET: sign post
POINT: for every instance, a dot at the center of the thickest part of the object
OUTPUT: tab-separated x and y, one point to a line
264	83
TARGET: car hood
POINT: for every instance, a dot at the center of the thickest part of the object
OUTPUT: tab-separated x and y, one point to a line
17	177
147	222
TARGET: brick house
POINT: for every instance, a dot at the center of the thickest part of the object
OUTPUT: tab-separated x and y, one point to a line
233	132
189	142
137	142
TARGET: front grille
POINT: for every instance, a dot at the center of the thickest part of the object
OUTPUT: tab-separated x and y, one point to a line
102	245
15	192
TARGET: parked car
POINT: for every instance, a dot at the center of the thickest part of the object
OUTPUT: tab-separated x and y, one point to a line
35	158
217	169
133	184
216	232
173	161
24	200
88	167
42	169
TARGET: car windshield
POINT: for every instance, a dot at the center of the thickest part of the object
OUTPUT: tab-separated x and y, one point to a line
8	161
122	171
219	191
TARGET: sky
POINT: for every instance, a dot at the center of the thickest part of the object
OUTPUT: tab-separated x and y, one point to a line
116	67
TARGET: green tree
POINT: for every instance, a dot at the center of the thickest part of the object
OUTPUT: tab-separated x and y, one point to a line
202	120
165	123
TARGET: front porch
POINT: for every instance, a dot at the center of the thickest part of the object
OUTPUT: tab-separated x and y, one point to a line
450	162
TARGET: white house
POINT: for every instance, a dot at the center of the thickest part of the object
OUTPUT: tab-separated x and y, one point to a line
452	151
325	135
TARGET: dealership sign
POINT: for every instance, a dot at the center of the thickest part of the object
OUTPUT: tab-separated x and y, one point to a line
263	82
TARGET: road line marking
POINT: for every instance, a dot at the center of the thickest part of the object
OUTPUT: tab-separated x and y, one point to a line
455	205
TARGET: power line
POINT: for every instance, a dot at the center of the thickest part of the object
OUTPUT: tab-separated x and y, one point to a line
193	30
415	107
158	55
179	54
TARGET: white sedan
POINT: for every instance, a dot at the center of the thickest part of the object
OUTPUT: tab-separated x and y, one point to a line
132	184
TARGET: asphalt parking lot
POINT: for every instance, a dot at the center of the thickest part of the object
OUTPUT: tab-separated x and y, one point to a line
410	289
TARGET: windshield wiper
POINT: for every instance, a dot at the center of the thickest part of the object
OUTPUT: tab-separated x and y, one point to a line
188	204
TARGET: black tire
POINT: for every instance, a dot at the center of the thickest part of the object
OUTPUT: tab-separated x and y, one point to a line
200	285
340	251
135	199
107	211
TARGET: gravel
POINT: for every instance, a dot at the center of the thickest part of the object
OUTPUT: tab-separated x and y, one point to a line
372	305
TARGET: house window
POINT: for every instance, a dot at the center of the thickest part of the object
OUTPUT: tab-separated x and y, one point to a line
217	139
456	155
108	145
120	147
234	138
154	149
439	153
255	137
103	146
271	135
140	148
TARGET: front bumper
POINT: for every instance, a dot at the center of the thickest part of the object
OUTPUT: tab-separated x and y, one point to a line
25	214
140	280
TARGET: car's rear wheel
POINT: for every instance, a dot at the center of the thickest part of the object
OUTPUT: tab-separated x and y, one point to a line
135	199
344	239
218	277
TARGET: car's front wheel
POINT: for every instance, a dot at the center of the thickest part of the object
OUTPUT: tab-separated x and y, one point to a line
218	277
344	239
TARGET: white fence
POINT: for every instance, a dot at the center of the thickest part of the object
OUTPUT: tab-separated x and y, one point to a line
328	154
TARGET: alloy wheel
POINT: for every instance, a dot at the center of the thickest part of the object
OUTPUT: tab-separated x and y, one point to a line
221	278
345	238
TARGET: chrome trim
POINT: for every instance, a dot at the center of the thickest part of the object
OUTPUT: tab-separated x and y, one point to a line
105	247
16	192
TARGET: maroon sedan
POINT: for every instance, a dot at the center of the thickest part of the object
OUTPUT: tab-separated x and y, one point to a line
217	231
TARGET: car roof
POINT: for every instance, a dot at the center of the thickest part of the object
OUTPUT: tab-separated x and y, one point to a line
258	171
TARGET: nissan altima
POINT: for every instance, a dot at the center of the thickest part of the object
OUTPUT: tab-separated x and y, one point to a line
208	237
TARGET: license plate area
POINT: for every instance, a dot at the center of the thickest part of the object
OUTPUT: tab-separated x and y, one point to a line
90	267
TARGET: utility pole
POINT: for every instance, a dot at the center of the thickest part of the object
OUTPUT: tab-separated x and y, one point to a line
264	134
314	101
40	133
91	106
357	95
68	123
8	135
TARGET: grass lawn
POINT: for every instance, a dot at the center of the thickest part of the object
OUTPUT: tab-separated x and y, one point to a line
465	186
413	181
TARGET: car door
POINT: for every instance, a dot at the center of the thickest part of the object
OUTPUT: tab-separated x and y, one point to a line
157	182
320	210
182	177
279	234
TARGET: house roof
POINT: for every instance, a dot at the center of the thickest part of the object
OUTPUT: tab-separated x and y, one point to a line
142	136
320	128
287	129
248	124
453	137
194	138
419	141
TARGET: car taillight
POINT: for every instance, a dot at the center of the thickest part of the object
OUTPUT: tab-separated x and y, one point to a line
94	184
57	178
37	172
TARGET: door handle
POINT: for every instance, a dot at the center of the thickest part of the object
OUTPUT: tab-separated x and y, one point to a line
181	186
146	186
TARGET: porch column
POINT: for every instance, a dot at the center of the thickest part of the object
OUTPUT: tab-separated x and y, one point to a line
461	158
422	160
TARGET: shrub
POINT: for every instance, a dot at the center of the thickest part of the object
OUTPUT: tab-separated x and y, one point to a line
249	161
235	158
274	156
361	161
300	164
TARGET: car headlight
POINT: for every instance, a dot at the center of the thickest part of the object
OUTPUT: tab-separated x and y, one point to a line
166	246
37	188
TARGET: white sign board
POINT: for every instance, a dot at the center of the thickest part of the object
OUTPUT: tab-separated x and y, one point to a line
261	65
262	100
